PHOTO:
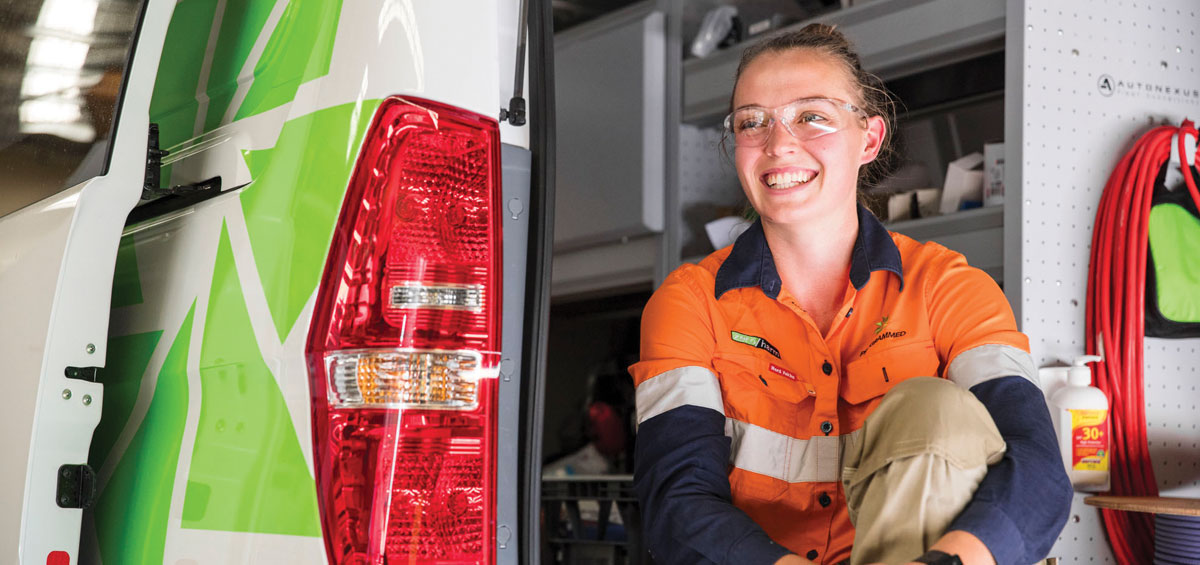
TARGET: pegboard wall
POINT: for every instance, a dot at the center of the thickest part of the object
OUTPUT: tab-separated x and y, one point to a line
708	185
1094	75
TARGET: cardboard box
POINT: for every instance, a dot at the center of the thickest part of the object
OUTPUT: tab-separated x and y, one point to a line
722	232
993	174
901	205
964	183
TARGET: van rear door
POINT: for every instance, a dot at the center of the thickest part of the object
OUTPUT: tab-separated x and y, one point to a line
74	117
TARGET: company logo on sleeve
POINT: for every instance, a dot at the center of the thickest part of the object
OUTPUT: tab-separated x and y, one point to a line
754	341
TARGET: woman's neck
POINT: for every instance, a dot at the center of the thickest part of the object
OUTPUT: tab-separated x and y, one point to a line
813	261
824	244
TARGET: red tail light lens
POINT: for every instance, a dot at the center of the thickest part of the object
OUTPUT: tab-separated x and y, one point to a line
404	347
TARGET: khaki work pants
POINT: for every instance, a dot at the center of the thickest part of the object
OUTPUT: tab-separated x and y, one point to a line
913	466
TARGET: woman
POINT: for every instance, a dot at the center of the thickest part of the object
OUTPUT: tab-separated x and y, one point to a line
785	407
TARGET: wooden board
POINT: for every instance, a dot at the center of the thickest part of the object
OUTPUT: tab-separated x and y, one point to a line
1152	504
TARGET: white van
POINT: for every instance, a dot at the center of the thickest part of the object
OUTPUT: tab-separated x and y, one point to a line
268	272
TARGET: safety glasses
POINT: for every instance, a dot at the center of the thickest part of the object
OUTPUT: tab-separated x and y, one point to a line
804	119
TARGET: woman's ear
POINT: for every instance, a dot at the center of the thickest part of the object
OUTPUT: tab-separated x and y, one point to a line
873	136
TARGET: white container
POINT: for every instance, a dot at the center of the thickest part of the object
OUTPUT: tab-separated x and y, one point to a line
993	174
964	182
1084	431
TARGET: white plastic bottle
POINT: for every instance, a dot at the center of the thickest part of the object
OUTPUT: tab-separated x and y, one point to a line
1084	431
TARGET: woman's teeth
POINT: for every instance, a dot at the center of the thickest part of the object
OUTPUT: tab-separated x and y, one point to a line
788	180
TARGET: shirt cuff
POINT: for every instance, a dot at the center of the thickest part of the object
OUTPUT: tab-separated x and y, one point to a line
994	528
755	548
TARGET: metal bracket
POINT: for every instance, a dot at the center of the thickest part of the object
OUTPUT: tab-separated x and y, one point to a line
76	486
154	157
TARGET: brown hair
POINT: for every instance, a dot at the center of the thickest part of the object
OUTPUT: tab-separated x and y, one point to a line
873	98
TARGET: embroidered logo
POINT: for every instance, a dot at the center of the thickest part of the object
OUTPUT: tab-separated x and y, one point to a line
781	371
882	333
754	341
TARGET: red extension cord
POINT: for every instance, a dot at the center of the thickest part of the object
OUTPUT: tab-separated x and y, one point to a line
1116	302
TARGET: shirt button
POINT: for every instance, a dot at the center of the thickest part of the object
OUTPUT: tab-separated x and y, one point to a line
827	368
811	555
824	500
826	427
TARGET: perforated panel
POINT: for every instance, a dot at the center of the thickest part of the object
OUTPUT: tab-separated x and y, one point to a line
1096	75
708	186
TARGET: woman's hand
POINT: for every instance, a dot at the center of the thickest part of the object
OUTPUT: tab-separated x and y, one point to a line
966	546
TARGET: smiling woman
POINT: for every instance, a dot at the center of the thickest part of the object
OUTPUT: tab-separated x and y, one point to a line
825	446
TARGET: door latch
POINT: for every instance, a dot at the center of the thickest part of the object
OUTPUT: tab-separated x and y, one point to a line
82	373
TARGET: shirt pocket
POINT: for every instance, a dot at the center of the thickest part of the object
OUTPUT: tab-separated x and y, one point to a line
765	403
870	377
749	382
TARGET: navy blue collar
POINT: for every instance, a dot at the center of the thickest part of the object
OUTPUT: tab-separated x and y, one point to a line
750	262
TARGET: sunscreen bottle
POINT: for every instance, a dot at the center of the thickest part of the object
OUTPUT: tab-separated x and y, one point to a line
1084	433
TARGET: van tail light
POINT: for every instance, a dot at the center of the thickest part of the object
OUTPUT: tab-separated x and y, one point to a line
404	346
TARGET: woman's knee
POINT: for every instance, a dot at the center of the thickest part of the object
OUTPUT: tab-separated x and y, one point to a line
932	415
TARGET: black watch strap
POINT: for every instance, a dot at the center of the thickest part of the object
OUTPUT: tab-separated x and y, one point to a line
935	557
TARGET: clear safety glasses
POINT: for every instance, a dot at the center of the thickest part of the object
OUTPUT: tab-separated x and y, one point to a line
805	119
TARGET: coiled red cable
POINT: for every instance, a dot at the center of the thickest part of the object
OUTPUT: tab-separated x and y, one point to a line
1116	301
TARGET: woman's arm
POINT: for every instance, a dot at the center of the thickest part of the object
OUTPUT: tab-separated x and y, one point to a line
681	463
1023	502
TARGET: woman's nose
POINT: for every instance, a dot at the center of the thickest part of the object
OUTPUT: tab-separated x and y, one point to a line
780	140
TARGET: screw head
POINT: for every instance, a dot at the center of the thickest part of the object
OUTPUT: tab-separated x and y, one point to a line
87	400
91	348
66	394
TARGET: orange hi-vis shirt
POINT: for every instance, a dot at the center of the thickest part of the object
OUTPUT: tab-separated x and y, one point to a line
724	336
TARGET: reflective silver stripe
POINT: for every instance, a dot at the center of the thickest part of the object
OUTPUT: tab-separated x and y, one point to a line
987	362
759	450
692	386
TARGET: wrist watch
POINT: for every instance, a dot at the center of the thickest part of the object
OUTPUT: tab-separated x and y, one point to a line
935	557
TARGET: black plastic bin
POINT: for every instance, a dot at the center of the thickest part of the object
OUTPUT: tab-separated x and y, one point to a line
580	526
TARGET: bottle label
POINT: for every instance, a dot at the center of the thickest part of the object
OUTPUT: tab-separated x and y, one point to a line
1089	440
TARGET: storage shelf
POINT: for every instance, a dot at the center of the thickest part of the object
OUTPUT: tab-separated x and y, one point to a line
978	234
893	38
925	229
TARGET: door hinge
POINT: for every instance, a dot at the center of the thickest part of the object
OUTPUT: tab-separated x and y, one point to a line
76	486
154	158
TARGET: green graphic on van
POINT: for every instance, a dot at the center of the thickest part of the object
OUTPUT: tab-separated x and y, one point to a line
293	202
174	105
241	24
754	341
299	50
248	473
131	512
127	286
128	357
